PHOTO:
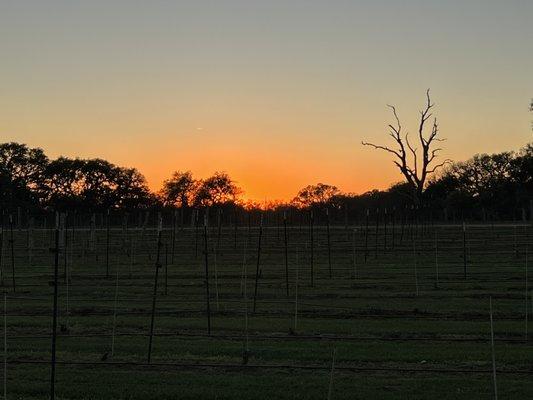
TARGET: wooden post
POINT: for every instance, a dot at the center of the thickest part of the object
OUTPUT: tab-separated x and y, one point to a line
2	248
257	271
277	226
415	256
515	240
285	243
464	249
402	229
216	254
249	230
436	259
244	266
145	222
115	301
385	229
393	227
244	283
154	295
73	235
207	297
376	234
215	265
354	255
55	250
330	388
346	221
492	350
66	270
5	345
132	253
12	247
416	221
526	287
296	291
234	226
166	269
329	244
196	231
92	232
107	245
219	228
366	235
65	247
311	223
173	244
30	240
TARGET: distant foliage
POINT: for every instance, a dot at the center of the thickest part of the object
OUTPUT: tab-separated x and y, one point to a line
30	179
315	195
22	170
216	190
496	186
182	190
179	190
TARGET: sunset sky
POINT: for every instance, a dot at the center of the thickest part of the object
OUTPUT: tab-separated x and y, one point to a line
279	94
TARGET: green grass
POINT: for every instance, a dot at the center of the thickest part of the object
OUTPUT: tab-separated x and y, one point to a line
380	328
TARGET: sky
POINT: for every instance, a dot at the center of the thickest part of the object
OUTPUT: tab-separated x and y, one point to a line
278	94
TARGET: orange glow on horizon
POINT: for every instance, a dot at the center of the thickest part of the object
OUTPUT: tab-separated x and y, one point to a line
279	96
274	185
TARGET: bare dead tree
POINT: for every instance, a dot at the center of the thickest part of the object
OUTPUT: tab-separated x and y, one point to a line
414	164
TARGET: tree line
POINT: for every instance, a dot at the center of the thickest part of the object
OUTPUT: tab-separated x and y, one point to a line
496	186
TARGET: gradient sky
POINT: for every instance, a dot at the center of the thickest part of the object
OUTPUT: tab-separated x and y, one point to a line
279	94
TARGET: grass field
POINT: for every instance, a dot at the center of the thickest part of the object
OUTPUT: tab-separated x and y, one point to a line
406	323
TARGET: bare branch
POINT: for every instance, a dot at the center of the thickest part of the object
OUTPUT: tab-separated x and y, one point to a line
395	116
413	151
424	116
433	155
442	164
382	148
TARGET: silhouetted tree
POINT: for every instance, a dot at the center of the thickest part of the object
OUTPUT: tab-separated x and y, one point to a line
521	174
98	186
60	187
179	190
415	165
216	190
132	191
483	173
497	183
93	184
21	171
315	195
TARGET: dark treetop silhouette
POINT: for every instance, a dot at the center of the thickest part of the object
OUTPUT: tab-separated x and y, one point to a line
497	186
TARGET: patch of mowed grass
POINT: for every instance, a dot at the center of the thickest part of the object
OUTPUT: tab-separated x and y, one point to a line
148	383
285	352
395	327
380	303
